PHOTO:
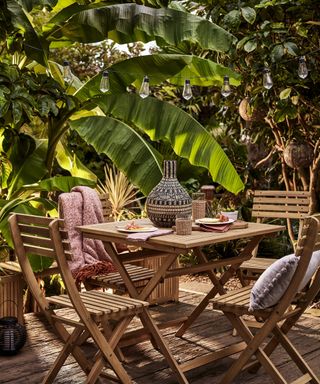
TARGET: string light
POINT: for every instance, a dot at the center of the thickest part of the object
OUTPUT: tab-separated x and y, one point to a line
302	68
226	89
67	74
187	94
267	79
187	90
105	83
144	90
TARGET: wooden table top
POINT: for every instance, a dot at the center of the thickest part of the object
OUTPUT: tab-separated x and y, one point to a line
109	232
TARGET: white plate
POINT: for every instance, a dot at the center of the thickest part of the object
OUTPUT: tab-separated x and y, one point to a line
144	228
210	221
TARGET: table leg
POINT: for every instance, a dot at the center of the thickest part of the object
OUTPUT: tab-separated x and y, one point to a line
218	283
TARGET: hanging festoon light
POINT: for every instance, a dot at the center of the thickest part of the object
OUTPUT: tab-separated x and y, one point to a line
144	89
302	68
187	90
67	74
105	82
226	89
267	79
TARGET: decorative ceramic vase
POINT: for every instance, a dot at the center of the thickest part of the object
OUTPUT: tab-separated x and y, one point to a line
168	198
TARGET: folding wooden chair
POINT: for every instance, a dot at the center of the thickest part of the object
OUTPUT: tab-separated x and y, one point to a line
79	315
139	274
277	320
289	205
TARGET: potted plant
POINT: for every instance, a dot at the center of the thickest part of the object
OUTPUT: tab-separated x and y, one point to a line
227	206
230	212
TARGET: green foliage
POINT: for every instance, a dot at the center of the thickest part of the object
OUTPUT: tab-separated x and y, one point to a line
131	22
186	136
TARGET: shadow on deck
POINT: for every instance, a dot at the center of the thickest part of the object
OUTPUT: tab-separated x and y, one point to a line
146	365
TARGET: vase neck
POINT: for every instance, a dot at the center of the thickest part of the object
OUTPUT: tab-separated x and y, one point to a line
169	169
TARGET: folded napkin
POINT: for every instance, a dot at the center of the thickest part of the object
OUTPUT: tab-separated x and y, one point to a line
144	236
214	228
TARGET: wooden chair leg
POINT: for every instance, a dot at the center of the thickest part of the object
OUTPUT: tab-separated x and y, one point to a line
63	354
253	348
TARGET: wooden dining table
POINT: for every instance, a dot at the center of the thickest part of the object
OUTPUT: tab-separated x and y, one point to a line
169	247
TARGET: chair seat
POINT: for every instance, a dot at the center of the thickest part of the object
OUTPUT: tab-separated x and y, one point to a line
115	281
237	301
102	305
257	264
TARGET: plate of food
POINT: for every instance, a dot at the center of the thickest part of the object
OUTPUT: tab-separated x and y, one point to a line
220	220
135	227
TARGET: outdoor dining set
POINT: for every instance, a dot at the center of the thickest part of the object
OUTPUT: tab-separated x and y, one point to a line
273	296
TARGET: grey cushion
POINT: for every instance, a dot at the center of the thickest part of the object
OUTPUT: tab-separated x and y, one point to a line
273	282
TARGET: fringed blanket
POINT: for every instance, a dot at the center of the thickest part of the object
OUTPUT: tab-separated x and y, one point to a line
82	206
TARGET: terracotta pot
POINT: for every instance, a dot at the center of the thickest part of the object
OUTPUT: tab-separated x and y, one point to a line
249	113
298	155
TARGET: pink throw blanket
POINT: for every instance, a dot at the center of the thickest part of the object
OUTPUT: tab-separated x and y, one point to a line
82	206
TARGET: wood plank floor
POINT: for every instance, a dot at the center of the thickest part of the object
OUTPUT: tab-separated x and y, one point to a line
146	365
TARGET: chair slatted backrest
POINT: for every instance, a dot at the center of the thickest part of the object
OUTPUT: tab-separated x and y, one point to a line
280	204
106	207
289	205
309	243
31	236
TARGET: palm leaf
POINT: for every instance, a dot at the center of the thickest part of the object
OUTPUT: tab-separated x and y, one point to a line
125	23
160	121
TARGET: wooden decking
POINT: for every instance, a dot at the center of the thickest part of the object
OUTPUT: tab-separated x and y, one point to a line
146	365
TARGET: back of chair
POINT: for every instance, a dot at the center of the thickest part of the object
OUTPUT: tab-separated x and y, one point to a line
106	207
280	204
31	236
309	242
289	205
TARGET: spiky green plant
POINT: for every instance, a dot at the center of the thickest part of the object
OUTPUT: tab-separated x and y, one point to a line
121	193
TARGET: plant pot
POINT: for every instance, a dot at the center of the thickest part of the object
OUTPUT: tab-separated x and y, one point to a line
232	215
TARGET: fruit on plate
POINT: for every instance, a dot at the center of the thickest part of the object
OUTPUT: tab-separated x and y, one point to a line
222	218
133	225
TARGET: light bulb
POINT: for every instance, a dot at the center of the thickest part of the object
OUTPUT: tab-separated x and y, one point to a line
144	90
187	90
302	69
226	89
267	79
67	74
104	83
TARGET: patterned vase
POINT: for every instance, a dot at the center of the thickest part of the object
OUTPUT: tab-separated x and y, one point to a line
168	198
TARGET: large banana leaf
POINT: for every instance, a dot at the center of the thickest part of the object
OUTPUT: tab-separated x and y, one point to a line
35	48
124	146
125	23
72	163
160	67
60	183
160	121
32	170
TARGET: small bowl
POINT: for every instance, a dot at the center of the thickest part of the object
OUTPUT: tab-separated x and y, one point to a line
233	215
